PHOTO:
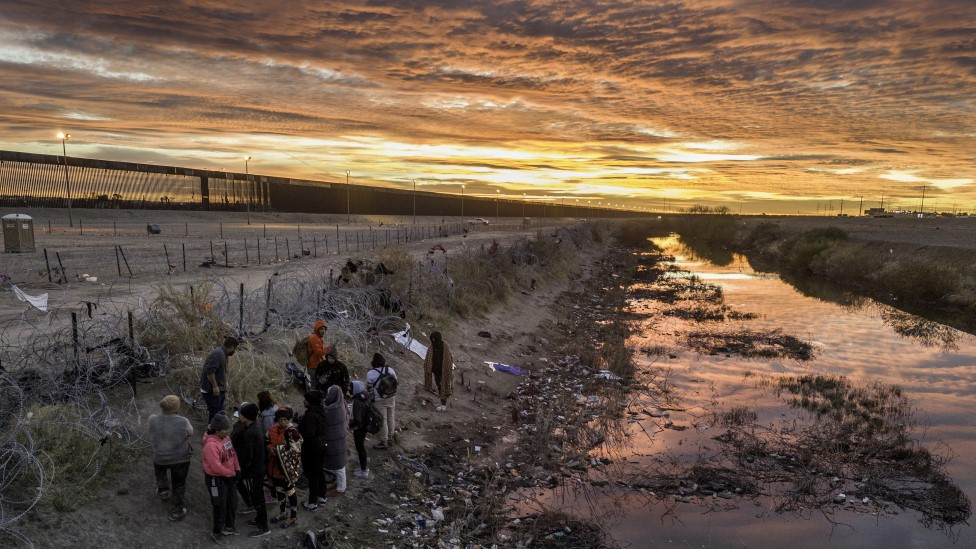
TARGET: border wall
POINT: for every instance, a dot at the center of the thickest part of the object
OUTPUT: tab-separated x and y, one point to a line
32	180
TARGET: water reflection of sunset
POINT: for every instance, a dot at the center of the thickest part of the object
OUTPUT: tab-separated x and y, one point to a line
867	344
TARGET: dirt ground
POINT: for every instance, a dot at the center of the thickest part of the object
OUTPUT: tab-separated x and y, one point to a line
125	511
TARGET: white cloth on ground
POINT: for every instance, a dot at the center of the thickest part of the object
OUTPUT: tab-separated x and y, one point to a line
38	301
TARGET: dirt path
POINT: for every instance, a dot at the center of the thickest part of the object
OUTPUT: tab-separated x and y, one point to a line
126	513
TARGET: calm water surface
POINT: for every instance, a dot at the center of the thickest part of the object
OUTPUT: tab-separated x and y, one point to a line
937	373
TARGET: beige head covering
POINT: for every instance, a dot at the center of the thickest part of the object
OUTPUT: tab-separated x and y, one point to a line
170	404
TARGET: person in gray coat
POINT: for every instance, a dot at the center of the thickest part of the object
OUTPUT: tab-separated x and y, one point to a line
171	453
336	422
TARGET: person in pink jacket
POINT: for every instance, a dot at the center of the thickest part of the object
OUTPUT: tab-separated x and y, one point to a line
220	468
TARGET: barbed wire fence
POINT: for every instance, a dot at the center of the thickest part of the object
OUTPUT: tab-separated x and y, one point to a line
69	407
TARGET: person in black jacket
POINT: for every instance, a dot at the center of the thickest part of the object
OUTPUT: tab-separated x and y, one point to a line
331	371
312	428
250	455
361	400
237	438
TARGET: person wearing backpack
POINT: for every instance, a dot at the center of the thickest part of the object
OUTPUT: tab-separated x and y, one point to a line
361	402
315	349
382	382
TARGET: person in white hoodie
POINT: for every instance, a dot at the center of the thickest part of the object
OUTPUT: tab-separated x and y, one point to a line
385	403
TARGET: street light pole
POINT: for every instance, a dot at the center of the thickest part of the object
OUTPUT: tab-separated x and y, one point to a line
414	201
462	206
347	196
523	206
247	182
67	186
497	192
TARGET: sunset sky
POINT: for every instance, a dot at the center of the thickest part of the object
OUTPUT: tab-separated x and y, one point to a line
775	106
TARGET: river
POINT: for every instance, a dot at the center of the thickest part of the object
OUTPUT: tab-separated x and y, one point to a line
871	344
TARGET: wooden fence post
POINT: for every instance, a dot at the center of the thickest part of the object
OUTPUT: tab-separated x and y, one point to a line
126	261
130	373
226	255
74	339
247	257
64	275
47	263
267	306
241	324
166	251
184	256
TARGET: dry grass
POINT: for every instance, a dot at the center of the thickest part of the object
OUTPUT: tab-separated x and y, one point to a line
180	323
78	452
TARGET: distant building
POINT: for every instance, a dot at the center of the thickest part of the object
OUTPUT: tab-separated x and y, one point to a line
874	211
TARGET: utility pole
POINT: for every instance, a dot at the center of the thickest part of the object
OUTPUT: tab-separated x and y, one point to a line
347	196
921	209
882	201
247	183
842	206
67	186
414	201
860	208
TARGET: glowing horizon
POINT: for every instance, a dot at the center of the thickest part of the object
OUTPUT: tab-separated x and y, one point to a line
781	108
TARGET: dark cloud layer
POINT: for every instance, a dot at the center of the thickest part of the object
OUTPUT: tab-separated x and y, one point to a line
797	99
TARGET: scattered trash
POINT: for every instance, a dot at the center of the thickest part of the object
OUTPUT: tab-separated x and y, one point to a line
499	367
609	376
406	339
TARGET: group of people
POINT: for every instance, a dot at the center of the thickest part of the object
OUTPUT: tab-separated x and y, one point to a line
271	447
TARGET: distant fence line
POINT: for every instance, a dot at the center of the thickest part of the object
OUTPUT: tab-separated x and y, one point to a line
38	180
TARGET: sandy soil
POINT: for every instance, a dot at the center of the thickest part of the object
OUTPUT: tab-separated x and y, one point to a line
126	513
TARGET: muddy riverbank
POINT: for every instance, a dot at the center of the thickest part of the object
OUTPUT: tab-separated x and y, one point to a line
863	443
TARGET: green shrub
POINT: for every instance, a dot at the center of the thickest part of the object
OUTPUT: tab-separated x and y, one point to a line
763	235
847	263
636	233
800	251
918	279
713	229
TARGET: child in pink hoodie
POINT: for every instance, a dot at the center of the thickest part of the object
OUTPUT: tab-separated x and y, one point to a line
220	467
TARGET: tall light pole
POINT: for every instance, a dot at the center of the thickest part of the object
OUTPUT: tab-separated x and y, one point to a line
347	196
247	184
523	205
497	192
462	206
67	186
414	201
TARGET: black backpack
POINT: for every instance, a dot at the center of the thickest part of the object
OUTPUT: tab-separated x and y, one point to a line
374	419
385	386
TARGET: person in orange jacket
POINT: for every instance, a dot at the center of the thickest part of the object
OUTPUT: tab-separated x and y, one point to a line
317	349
